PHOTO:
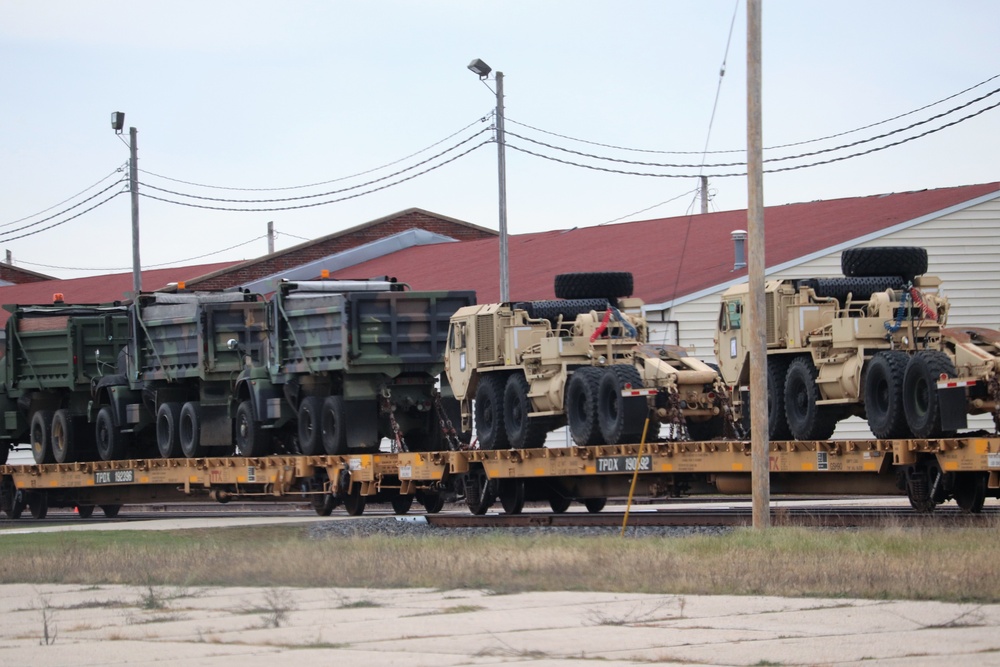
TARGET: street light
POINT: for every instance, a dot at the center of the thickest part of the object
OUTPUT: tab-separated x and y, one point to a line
482	70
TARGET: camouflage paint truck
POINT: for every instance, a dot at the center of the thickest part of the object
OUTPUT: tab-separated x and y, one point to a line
871	344
53	353
582	360
172	394
347	364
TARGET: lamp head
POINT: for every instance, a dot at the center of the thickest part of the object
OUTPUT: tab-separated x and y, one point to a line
480	68
117	121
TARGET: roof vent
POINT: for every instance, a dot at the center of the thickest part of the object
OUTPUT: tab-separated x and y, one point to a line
739	249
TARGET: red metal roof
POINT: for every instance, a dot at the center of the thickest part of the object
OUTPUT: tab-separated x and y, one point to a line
99	289
669	258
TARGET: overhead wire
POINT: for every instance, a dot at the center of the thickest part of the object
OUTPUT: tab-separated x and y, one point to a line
66	210
71	198
62	222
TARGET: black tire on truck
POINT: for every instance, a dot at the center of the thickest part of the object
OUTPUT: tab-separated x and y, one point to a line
112	444
884	395
806	419
621	419
906	261
310	425
598	285
581	406
920	396
41	436
168	431
523	432
251	439
63	433
569	310
777	422
190	430
860	288
490	429
333	426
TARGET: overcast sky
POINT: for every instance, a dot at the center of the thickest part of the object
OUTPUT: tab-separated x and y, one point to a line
261	95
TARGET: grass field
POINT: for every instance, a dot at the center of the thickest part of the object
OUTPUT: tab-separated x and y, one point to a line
953	564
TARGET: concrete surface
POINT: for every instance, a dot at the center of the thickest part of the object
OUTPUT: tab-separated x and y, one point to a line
114	625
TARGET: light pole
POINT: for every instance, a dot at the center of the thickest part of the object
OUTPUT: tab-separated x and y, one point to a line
483	70
117	123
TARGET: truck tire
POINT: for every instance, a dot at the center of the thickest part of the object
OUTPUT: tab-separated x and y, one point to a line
859	288
112	444
806	419
523	432
63	437
601	285
251	439
777	422
333	427
920	396
41	436
906	261
569	310
190	430
490	428
581	406
621	419
168	431
884	395
310	425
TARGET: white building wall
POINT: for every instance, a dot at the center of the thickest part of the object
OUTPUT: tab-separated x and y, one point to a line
963	249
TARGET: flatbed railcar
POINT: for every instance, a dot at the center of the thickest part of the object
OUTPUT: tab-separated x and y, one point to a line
965	469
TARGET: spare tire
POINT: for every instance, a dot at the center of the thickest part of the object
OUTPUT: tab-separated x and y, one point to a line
602	285
860	288
906	261
569	309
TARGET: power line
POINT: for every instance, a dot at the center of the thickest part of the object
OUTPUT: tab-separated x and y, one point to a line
333	180
62	222
90	187
320	194
650	208
67	210
321	203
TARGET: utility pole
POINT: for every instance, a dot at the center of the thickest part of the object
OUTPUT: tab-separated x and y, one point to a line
757	307
133	186
270	238
704	194
502	168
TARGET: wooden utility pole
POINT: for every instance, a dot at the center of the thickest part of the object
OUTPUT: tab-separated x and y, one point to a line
133	186
757	315
704	194
270	238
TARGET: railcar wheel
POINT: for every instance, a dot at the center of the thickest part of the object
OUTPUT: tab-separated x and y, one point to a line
190	431
41	436
490	427
85	511
581	406
431	502
512	496
480	492
325	504
168	439
17	505
251	440
38	504
620	419
63	437
354	502
806	420
111	511
595	505
884	395
310	426
559	504
523	432
920	396
111	443
970	491
334	430
402	504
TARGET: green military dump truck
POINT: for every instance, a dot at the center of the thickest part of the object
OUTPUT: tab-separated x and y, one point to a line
347	364
52	355
172	396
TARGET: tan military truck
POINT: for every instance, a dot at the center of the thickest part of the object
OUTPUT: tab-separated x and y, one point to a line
871	344
582	360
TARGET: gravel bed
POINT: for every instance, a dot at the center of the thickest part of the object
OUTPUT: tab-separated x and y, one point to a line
416	527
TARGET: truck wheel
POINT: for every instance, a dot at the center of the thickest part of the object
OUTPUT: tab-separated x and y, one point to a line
620	419
569	310
168	440
41	440
523	432
251	440
190	430
601	285
806	420
884	395
777	423
111	443
905	261
63	437
490	427
310	425
920	395
581	406
334	431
